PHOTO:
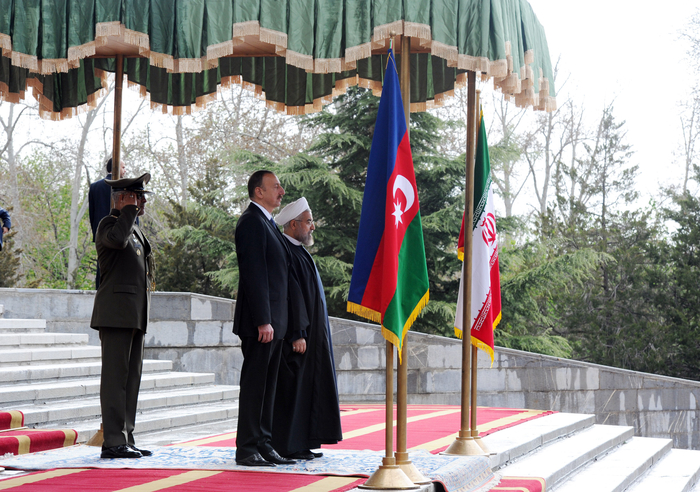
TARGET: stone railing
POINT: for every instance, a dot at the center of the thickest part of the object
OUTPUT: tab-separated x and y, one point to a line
194	331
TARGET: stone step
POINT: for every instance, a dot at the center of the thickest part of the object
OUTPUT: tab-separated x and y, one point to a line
678	471
23	356
16	324
561	458
167	419
615	471
514	442
66	413
37	340
26	374
84	387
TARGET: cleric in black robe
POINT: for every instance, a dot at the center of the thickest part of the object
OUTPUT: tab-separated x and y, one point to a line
307	413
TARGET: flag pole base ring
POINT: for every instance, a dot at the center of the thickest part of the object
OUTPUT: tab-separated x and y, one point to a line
464	446
389	476
479	441
410	469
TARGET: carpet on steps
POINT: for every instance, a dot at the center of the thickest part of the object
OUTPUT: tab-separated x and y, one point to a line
25	441
11	419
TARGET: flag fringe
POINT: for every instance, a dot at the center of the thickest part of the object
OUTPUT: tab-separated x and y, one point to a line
478	343
365	312
481	345
460	254
409	322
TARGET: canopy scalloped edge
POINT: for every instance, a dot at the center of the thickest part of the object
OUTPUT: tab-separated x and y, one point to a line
520	86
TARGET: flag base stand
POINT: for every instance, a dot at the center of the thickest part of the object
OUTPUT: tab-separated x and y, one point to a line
480	442
464	445
410	469
389	476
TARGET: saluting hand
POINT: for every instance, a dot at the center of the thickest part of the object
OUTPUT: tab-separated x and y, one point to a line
265	333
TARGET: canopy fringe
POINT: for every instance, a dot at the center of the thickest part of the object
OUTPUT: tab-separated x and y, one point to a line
277	38
305	62
6	45
328	65
216	51
247	28
359	52
420	31
384	32
77	53
445	51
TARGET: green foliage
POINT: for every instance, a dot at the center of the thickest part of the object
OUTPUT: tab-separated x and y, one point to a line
9	260
533	278
199	255
46	203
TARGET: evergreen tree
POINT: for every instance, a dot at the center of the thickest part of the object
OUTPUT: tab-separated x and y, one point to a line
200	246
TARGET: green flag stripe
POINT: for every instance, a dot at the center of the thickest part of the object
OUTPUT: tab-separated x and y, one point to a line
411	287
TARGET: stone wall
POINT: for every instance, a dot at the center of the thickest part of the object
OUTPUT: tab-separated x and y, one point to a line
194	331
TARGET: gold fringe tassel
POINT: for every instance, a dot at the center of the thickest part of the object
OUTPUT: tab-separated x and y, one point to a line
409	322
365	312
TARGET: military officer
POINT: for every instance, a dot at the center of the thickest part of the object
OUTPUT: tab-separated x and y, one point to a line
121	312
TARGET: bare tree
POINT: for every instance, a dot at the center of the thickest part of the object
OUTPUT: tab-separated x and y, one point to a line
690	124
11	154
507	152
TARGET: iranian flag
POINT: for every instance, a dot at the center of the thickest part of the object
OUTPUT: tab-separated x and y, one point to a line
486	280
389	282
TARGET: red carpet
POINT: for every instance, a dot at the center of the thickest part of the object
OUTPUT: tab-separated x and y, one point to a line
11	419
32	440
429	427
104	480
520	484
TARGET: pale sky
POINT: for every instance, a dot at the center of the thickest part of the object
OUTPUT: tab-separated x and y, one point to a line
630	52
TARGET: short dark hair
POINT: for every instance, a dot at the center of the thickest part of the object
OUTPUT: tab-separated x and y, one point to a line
109	166
255	181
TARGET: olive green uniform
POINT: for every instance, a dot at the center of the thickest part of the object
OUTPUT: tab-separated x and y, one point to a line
121	314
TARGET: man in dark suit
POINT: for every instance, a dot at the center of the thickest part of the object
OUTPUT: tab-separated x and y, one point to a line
6	224
260	319
120	313
99	205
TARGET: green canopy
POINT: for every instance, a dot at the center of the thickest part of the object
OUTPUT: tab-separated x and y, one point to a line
297	53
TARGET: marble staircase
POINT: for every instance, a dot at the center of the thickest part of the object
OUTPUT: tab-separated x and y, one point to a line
54	379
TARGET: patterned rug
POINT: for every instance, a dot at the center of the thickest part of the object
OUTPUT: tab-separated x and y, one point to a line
455	473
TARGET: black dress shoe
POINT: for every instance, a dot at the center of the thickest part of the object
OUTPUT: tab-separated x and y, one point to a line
144	452
273	457
301	455
121	451
316	455
254	460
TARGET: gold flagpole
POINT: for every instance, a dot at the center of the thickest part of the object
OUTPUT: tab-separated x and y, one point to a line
465	445
389	475
475	352
402	379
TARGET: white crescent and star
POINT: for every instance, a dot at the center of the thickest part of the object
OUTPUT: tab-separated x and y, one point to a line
403	184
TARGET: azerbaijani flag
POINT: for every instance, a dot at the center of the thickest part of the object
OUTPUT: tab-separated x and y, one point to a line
389	282
486	279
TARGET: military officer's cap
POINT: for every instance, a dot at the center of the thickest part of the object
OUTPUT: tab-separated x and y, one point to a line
130	184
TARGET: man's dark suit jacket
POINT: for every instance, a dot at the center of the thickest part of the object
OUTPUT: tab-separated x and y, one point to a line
4	222
99	198
263	275
124	296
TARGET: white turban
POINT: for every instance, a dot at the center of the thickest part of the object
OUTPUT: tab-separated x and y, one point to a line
292	211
